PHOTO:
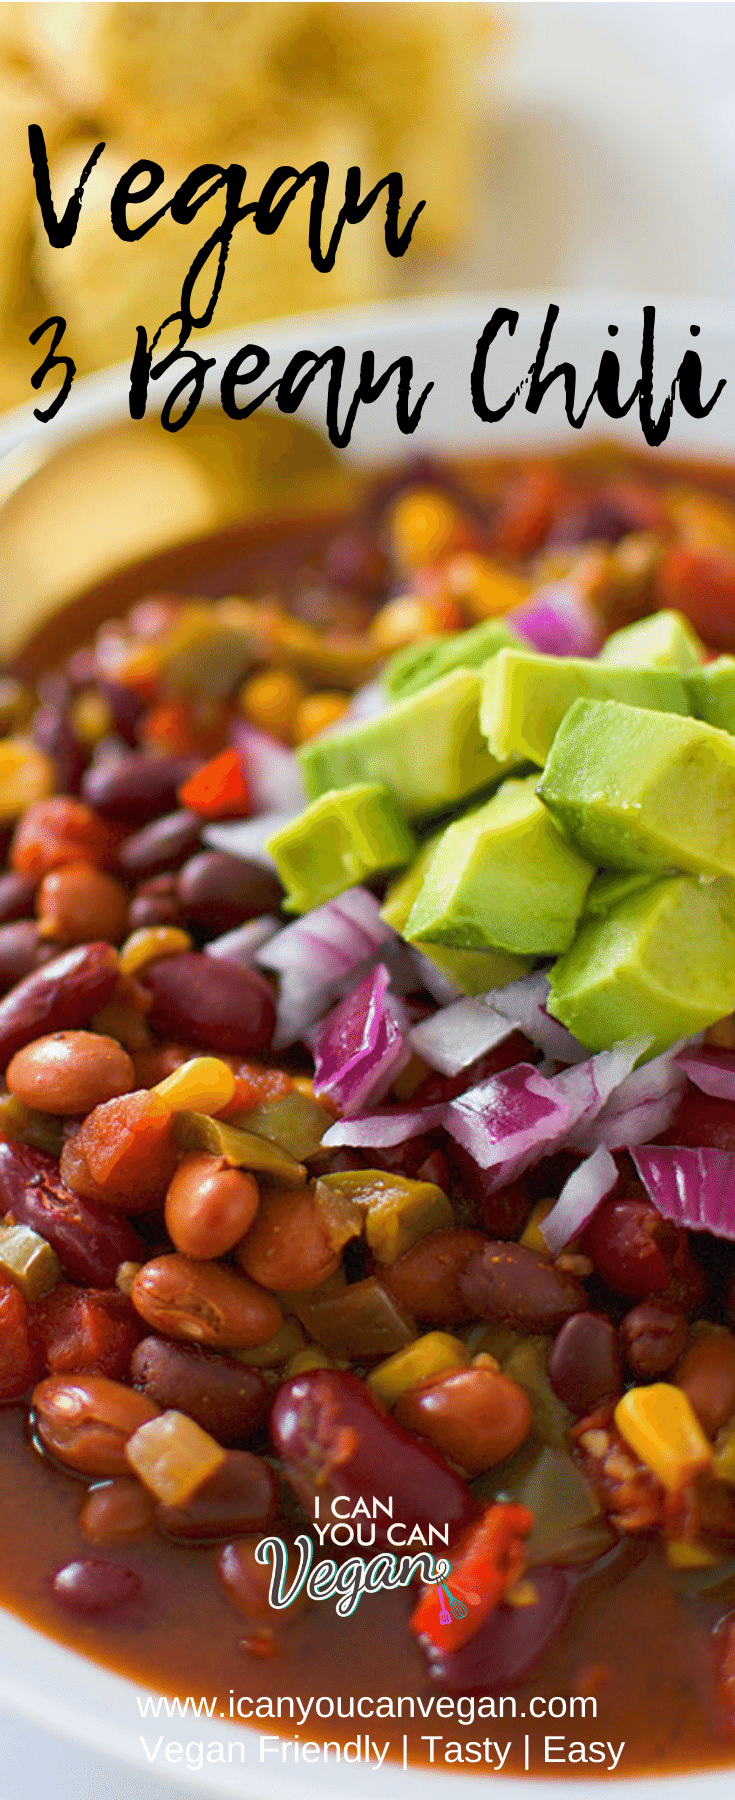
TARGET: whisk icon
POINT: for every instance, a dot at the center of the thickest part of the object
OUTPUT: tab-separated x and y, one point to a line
456	1608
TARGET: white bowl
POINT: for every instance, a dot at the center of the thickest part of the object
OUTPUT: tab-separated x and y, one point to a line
39	1680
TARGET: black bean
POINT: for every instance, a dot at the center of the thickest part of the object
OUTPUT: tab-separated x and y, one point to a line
217	892
584	1363
136	788
164	844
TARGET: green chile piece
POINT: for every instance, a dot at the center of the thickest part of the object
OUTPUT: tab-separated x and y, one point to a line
363	1321
429	749
420	664
660	964
637	790
503	877
569	1526
526	1364
349	835
525	696
43	1131
29	1261
665	640
472	971
241	1149
712	693
398	1211
296	1123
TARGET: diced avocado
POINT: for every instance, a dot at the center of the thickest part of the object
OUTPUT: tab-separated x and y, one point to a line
347	836
612	886
502	878
474	971
419	664
428	750
666	640
712	693
638	790
662	964
525	696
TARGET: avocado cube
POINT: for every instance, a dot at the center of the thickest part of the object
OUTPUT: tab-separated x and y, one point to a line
502	878
419	664
473	971
638	790
610	887
712	693
343	838
525	696
666	640
661	964
428	749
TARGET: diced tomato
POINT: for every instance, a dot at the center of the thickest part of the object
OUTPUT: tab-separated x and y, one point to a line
703	588
256	1086
57	831
94	1329
20	1357
218	790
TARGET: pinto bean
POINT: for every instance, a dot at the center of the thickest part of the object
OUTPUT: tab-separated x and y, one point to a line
228	1399
60	830
70	1072
209	1206
85	1421
707	1375
58	997
205	1303
288	1246
425	1280
334	1439
128	1152
654	1336
79	902
515	1286
242	1495
117	1511
475	1416
212	1004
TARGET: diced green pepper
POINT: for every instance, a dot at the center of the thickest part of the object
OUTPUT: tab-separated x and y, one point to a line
241	1149
527	1365
43	1131
347	836
297	1123
398	1211
364	1321
29	1261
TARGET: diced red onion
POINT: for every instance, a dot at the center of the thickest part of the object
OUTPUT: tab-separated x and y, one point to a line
441	987
242	944
454	1037
272	772
579	1199
510	1116
524	1002
248	837
695	1188
368	702
362	1046
340	940
711	1070
641	1106
559	621
383	1130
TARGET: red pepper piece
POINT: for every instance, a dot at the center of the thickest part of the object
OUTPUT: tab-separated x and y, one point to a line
218	790
487	1560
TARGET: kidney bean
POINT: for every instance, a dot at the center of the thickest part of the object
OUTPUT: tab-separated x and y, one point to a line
137	788
17	894
70	1072
216	892
241	1496
475	1417
707	1375
117	1511
653	1337
85	1421
205	1303
228	1399
213	1004
288	1246
59	830
425	1280
209	1205
89	1241
163	845
20	1354
511	1640
58	997
584	1365
502	1214
247	1582
52	732
515	1286
94	1588
22	950
93	1330
333	1439
637	1253
128	1151
79	902
155	902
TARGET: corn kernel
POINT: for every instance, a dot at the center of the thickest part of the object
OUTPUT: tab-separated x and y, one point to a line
484	587
311	1358
724	1458
29	1261
25	775
531	1238
428	1355
271	701
690	1556
316	713
151	943
173	1457
424	524
91	716
402	621
203	1085
662	1428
